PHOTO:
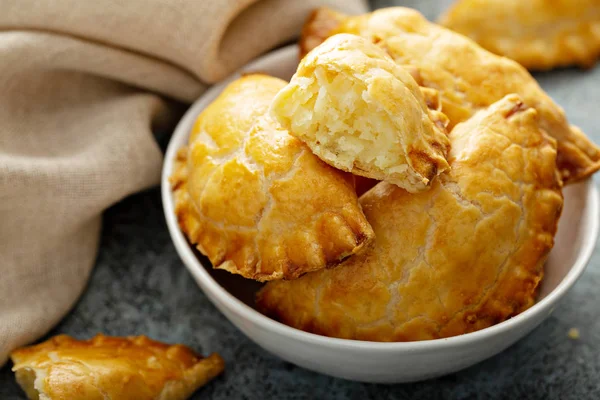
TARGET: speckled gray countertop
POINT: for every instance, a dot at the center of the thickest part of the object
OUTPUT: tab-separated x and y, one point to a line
140	286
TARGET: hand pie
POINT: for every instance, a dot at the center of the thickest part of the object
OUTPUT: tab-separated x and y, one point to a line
111	368
538	34
468	77
360	112
254	199
462	256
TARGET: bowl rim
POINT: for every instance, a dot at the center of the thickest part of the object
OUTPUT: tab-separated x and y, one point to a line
217	294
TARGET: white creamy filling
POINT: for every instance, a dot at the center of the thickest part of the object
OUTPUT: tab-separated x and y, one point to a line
339	120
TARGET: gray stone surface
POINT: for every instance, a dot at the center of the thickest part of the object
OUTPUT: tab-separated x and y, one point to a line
139	286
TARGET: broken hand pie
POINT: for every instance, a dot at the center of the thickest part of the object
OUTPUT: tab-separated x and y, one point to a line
433	271
111	368
539	34
360	112
254	199
467	77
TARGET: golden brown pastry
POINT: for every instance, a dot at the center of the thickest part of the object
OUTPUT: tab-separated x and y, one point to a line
468	77
254	199
112	368
317	27
464	255
360	112
539	34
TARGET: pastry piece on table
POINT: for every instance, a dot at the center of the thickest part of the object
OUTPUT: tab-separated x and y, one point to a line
112	368
460	257
539	34
254	199
360	112
468	77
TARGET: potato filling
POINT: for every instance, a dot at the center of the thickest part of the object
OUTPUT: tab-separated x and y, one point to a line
336	116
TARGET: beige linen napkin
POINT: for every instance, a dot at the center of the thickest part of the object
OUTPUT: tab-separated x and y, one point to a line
80	92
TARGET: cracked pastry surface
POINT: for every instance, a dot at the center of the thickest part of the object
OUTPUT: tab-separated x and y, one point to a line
360	112
539	34
254	199
112	368
467	76
462	256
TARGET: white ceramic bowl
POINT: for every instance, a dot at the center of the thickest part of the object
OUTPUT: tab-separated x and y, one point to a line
373	361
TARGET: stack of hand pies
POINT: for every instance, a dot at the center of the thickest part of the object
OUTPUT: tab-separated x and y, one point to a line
406	184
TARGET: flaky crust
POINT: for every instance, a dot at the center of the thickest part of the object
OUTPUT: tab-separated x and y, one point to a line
468	77
112	368
254	199
362	113
460	257
539	34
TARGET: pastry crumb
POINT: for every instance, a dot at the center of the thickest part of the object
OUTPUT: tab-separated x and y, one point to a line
573	333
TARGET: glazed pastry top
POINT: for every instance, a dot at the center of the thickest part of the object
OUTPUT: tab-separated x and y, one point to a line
433	272
539	34
111	368
254	199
